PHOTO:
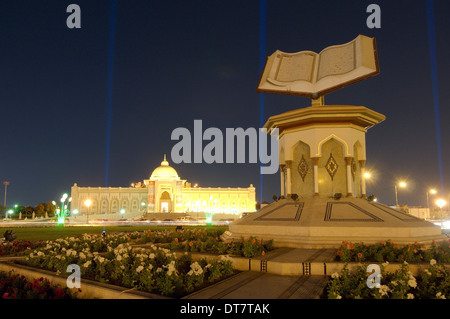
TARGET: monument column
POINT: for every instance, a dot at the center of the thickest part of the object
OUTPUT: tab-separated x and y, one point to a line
282	180
288	178
363	178
316	176
349	176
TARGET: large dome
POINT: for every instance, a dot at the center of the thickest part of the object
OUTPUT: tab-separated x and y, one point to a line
164	172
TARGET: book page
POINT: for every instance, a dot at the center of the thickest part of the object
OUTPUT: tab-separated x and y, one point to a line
296	67
309	74
337	60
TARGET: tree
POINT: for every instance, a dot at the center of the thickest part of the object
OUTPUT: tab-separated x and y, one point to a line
40	210
27	212
50	209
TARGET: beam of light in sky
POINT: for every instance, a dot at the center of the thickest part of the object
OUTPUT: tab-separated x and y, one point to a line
434	82
112	27
262	60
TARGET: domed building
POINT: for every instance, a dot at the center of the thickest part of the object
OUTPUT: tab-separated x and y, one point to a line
163	193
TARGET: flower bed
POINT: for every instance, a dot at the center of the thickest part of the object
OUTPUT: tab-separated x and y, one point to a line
432	283
206	241
113	260
391	252
13	286
18	247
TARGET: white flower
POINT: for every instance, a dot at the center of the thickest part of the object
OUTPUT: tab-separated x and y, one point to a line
196	269
412	283
87	264
171	268
334	275
119	258
410	296
440	295
339	297
139	269
384	290
433	262
225	258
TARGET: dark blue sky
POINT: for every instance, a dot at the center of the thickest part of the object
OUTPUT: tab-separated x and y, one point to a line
176	61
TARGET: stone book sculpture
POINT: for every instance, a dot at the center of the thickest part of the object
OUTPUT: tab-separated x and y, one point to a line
313	75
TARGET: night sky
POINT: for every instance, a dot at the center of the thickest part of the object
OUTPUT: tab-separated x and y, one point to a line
177	61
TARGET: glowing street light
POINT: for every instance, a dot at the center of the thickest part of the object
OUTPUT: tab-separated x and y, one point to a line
431	191
87	203
402	185
441	203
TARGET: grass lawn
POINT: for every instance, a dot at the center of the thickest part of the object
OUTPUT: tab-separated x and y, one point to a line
60	231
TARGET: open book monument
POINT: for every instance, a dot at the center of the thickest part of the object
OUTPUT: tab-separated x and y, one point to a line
322	156
311	74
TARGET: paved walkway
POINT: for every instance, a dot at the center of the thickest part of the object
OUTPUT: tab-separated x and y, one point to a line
260	285
265	285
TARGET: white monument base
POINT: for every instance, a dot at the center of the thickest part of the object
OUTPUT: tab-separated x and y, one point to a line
325	223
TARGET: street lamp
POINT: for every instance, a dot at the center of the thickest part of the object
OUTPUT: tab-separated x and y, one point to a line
87	203
402	185
441	203
431	191
6	183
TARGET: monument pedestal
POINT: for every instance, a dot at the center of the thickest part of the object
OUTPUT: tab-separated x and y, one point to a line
322	161
326	223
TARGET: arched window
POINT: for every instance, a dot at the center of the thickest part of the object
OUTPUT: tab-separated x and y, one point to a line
233	207
114	206
134	205
104	208
224	207
243	207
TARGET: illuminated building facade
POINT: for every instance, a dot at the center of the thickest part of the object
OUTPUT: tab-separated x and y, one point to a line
163	192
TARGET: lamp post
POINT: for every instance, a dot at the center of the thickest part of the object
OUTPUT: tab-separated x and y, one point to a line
441	203
75	213
87	203
402	185
431	191
6	183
